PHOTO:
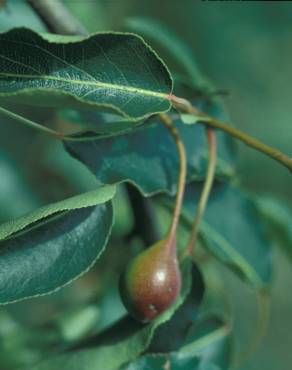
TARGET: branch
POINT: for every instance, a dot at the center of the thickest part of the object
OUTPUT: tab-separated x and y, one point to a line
57	17
277	155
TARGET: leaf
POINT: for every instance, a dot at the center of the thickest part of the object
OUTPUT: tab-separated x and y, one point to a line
173	362
277	218
111	71
96	124
122	343
192	119
173	46
48	248
209	348
171	335
148	157
231	230
209	339
234	232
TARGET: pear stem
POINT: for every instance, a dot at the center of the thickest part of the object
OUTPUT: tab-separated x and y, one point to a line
277	155
211	136
167	121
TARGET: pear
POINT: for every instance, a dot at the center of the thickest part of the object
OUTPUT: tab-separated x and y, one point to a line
151	282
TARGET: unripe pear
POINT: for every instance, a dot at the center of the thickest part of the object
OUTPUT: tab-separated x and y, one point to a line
151	282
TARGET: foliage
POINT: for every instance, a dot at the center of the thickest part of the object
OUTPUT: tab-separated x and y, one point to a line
103	95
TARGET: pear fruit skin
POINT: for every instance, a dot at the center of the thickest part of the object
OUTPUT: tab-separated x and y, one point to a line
151	282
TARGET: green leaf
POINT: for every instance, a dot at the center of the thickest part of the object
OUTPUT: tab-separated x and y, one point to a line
277	218
122	343
192	119
95	124
173	362
110	71
231	230
48	248
148	157
209	338
88	199
208	348
171	335
234	232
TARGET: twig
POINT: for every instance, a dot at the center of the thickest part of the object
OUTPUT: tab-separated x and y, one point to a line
57	17
277	155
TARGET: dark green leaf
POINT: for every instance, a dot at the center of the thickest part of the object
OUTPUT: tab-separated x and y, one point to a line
111	71
98	124
173	362
234	232
172	334
122	343
231	230
48	248
208	348
148	157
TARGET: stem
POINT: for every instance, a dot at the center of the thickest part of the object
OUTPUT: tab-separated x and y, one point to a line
182	173
205	192
275	154
57	17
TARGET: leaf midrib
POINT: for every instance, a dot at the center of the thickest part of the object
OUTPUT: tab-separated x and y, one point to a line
96	84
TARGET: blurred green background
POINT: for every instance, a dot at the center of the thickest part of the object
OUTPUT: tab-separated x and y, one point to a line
244	48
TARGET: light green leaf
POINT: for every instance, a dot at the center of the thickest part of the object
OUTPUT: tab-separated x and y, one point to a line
191	119
48	248
111	71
